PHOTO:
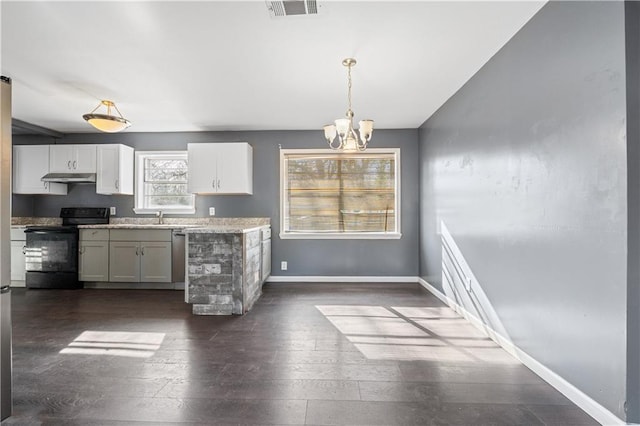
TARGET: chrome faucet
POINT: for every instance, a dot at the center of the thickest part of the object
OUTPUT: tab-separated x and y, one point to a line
159	214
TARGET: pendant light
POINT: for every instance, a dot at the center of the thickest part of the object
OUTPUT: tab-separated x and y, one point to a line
107	122
348	139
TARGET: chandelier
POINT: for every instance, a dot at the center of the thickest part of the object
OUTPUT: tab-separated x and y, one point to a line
348	139
107	122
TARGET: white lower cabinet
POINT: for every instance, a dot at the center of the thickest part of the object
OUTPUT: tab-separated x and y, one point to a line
93	255
18	244
140	256
124	262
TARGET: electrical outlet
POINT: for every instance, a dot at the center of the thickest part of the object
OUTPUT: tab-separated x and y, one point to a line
212	211
112	211
283	265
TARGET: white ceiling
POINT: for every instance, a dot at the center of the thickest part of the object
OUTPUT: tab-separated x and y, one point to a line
213	65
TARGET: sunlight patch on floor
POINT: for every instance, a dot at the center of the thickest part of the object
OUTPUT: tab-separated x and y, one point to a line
115	343
414	334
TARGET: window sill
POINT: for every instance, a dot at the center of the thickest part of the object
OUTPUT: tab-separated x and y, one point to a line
164	211
341	236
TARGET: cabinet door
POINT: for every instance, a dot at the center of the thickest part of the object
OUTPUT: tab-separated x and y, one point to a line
234	168
107	169
114	169
60	158
93	261
265	258
124	261
220	168
202	176
17	260
155	262
84	158
30	163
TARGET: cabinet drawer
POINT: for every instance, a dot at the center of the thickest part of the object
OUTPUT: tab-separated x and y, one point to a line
140	234
94	235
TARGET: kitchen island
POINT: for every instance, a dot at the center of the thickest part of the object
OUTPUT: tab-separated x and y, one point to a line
151	253
225	267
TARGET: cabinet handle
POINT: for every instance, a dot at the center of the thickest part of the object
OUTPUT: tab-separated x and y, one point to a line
137	251
117	183
218	183
213	184
46	185
142	251
74	164
24	249
69	164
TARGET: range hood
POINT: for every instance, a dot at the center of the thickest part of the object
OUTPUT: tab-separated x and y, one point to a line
69	177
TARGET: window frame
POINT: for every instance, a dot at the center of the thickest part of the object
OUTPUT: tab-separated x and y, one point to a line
140	157
397	234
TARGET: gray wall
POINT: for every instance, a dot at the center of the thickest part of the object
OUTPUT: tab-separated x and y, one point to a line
526	168
304	257
632	30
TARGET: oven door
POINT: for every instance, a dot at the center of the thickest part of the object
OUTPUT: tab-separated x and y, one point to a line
51	249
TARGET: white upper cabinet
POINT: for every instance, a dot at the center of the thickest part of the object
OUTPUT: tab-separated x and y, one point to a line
220	168
114	169
72	158
30	163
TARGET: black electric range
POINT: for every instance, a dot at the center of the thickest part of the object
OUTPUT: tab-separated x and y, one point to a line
51	252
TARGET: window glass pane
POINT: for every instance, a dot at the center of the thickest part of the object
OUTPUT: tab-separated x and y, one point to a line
165	170
165	201
165	189
337	194
162	182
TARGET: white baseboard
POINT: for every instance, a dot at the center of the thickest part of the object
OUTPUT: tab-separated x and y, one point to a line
575	395
340	279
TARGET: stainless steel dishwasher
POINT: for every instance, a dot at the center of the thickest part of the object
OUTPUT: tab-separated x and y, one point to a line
178	256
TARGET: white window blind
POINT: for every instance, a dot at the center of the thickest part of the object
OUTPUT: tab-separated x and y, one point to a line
328	194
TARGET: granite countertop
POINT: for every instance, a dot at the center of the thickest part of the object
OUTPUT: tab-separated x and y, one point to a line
136	226
205	224
37	221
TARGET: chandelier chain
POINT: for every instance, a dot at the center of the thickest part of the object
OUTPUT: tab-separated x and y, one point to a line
349	95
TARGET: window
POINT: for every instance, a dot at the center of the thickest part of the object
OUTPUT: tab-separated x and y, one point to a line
329	194
161	182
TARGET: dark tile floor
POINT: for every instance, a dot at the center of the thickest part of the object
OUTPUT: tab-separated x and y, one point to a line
319	354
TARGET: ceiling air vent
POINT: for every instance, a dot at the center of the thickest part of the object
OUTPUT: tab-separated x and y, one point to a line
279	9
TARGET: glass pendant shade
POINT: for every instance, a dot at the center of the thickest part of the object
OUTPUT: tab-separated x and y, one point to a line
107	123
342	125
366	130
330	132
